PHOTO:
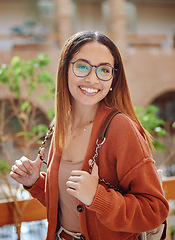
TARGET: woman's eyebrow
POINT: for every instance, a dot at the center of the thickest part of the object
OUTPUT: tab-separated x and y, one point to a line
102	63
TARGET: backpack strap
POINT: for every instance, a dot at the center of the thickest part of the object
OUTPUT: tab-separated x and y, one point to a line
105	125
100	141
48	135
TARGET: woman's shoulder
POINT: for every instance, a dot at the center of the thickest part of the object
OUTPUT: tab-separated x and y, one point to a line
127	138
123	126
120	124
121	121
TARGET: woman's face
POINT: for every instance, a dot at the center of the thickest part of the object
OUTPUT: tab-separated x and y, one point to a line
90	90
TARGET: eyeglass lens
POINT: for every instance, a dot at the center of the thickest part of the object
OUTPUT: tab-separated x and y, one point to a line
83	69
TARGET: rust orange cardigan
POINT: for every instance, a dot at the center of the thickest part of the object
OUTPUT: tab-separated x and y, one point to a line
126	162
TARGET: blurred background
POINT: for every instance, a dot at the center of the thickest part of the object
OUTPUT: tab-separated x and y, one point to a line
143	30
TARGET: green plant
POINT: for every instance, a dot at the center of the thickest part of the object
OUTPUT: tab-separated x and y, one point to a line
24	79
148	116
172	230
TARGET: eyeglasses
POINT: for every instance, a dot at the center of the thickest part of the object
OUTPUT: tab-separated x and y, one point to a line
104	72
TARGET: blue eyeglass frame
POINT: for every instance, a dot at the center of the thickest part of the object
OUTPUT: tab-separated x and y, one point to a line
91	66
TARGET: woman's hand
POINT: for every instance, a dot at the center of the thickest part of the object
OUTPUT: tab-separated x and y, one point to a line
83	185
26	171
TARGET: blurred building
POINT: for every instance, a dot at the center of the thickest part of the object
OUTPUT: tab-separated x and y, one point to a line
144	31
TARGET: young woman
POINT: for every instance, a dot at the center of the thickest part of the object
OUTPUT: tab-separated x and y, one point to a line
91	83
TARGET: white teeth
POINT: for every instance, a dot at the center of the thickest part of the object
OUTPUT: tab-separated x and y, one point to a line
89	90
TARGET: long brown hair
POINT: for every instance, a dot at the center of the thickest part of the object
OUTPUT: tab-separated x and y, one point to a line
119	98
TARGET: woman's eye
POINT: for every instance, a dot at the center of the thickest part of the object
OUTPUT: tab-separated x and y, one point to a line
82	67
104	70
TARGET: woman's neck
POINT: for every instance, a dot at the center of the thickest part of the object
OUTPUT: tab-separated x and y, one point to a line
82	115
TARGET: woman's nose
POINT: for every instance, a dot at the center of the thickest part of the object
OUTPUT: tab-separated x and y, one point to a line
92	75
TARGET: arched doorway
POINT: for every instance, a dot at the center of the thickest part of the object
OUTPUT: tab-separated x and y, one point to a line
166	105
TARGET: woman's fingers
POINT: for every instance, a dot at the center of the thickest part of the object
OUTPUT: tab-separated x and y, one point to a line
73	188
24	165
38	161
26	171
72	185
15	169
76	173
83	185
17	177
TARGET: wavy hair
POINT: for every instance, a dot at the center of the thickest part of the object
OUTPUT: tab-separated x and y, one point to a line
119	98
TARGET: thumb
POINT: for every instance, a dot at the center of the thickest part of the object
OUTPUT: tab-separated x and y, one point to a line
38	160
94	169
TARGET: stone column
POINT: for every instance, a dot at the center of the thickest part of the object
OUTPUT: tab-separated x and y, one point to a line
64	20
117	23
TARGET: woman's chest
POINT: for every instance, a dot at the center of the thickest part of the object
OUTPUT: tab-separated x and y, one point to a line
76	147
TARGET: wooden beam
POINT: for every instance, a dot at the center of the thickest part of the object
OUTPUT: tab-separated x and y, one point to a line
33	211
169	187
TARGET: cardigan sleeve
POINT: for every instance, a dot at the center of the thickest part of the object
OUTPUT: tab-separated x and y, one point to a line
143	206
38	190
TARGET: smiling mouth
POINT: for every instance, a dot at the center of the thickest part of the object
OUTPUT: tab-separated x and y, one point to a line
89	90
